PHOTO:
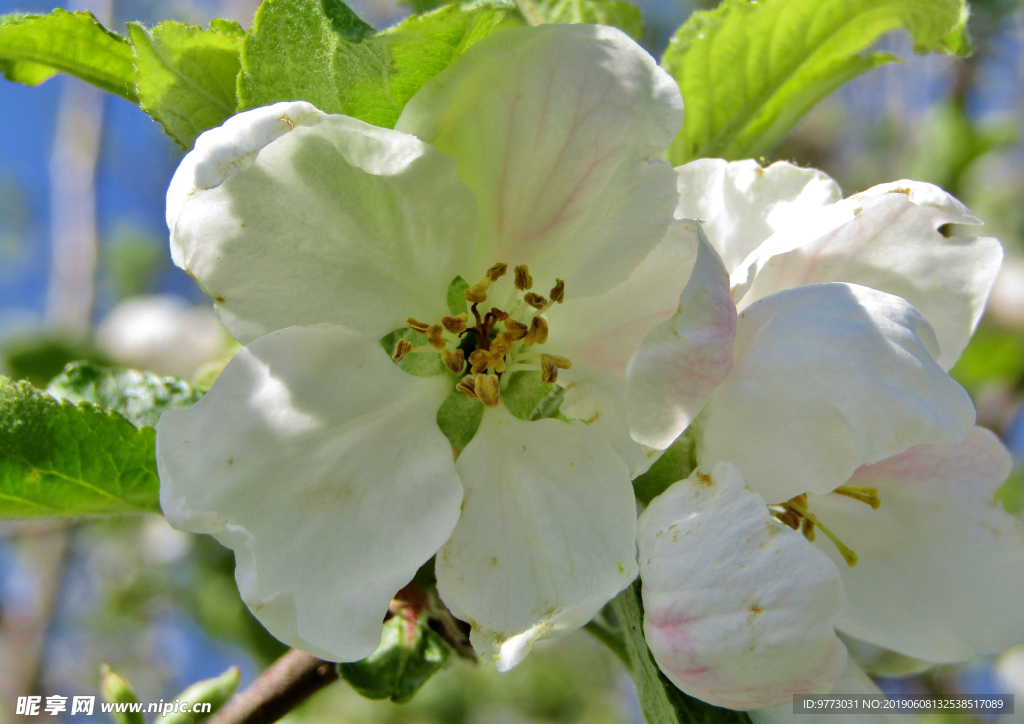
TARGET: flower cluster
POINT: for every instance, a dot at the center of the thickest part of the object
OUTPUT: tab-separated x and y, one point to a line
385	410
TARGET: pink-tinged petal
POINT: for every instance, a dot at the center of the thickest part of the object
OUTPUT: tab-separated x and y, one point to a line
683	359
941	570
827	378
558	130
741	204
738	608
889	238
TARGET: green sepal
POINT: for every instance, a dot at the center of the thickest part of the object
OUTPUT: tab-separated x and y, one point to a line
186	76
418	364
141	397
744	87
660	700
34	48
618	13
459	418
456	297
117	690
216	692
675	464
529	398
320	52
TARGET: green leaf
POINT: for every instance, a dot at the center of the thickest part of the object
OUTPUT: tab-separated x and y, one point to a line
63	460
459	418
623	15
422	6
116	690
215	692
749	70
456	297
675	464
186	76
323	54
660	701
141	397
66	42
419	364
529	398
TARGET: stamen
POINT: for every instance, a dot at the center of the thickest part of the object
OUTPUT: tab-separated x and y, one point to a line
864	495
434	336
535	300
455	361
455	325
515	331
467	385
498	315
416	325
488	390
538	333
403	348
848	555
479	360
523	279
558	291
478	292
497	271
808	529
550	364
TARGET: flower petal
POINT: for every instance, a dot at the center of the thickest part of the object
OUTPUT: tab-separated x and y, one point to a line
320	463
547	533
827	378
739	608
555	128
683	359
741	204
941	569
853	683
889	238
339	222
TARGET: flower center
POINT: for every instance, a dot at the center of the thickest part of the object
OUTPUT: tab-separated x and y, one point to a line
499	342
795	514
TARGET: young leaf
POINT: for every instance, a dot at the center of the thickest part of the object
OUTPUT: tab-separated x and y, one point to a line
116	690
36	47
141	397
750	69
62	460
660	700
216	692
322	53
623	15
186	76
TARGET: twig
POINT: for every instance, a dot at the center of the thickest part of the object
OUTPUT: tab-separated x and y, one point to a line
288	682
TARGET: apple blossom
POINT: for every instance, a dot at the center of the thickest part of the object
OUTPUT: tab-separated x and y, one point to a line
529	164
838	414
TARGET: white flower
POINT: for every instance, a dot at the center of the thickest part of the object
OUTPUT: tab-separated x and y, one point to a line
315	456
837	412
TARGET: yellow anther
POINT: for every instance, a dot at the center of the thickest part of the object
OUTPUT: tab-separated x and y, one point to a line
538	333
455	361
487	388
434	336
523	279
416	325
515	331
479	360
403	348
848	555
467	385
868	496
478	292
455	325
498	314
497	271
535	300
550	364
807	528
558	291
500	345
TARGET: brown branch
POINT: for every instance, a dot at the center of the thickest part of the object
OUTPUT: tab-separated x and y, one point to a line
288	682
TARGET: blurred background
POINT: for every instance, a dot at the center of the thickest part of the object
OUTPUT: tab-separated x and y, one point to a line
85	272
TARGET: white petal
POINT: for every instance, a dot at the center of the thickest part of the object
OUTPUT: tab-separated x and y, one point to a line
547	533
827	378
320	463
853	683
341	222
741	204
684	358
888	238
738	608
941	569
555	128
